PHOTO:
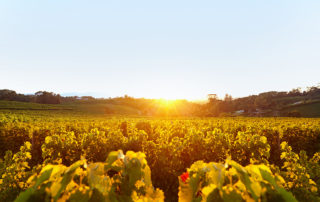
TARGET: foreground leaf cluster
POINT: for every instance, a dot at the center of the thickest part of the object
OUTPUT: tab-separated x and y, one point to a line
119	178
128	178
288	147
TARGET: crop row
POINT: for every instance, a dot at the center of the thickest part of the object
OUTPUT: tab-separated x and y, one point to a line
288	147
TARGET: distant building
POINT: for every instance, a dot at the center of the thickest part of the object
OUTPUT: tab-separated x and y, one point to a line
297	103
239	112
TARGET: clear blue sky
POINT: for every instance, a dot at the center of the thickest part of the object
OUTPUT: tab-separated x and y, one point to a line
171	49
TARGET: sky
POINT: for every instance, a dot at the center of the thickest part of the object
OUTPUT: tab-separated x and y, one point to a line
159	49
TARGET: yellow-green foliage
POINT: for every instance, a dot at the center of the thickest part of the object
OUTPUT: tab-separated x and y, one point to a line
120	178
171	145
128	178
300	172
231	182
13	172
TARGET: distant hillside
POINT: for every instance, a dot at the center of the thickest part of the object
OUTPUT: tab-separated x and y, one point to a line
305	109
295	103
15	105
74	107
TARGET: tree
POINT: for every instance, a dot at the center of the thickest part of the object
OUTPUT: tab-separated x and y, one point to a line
295	92
6	94
227	98
45	97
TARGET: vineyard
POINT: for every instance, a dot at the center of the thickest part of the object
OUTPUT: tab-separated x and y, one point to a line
59	156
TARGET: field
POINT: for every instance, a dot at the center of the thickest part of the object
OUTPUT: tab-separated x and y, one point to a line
306	110
74	108
65	155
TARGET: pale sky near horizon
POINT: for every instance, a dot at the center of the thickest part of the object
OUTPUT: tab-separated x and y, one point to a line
159	49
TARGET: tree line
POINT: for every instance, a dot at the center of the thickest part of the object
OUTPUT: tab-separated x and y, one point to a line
250	105
42	97
272	101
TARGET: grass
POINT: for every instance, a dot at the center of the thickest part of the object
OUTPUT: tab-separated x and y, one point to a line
306	110
12	105
94	108
99	108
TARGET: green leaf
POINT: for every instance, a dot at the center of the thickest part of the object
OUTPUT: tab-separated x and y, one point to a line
244	177
25	196
216	174
97	179
287	196
113	156
268	177
43	177
59	186
81	196
231	196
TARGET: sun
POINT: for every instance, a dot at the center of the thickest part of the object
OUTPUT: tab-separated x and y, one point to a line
166	107
166	102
